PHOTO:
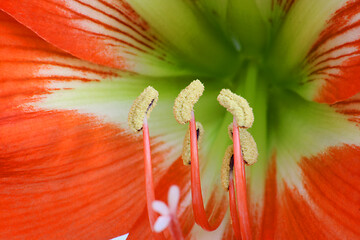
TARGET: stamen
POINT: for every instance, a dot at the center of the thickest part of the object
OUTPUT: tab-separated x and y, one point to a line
197	200
143	105
168	214
248	145
186	152
227	166
183	111
137	120
240	181
238	107
185	101
243	117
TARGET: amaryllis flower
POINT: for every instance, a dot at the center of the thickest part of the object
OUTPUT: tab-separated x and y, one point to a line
71	168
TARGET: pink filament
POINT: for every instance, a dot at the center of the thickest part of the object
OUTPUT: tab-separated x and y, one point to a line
240	182
197	200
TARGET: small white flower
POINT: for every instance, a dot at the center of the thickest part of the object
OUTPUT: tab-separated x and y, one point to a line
167	212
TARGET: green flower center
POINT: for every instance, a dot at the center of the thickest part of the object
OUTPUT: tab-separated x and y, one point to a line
257	75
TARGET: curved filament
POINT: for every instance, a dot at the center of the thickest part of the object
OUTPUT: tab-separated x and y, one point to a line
197	199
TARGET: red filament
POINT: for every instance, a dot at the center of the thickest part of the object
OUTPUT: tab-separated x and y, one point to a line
150	194
240	182
197	199
233	210
174	226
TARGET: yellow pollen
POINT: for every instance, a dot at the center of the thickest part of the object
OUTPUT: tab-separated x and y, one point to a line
248	145
185	101
237	106
186	152
142	106
227	166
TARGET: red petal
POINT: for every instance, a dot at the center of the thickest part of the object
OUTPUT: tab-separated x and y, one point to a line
23	55
330	208
335	57
350	108
63	175
105	32
29	64
266	229
325	205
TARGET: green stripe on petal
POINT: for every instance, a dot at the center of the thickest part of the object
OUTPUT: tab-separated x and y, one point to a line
274	10
304	129
110	101
313	178
265	7
247	25
216	10
189	34
303	24
296	129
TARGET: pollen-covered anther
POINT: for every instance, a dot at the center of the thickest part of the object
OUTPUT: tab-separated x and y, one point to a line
227	167
248	145
238	107
185	101
186	151
142	106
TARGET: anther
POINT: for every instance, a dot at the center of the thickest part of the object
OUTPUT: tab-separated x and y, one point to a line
237	106
184	103
186	152
248	145
142	106
227	167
